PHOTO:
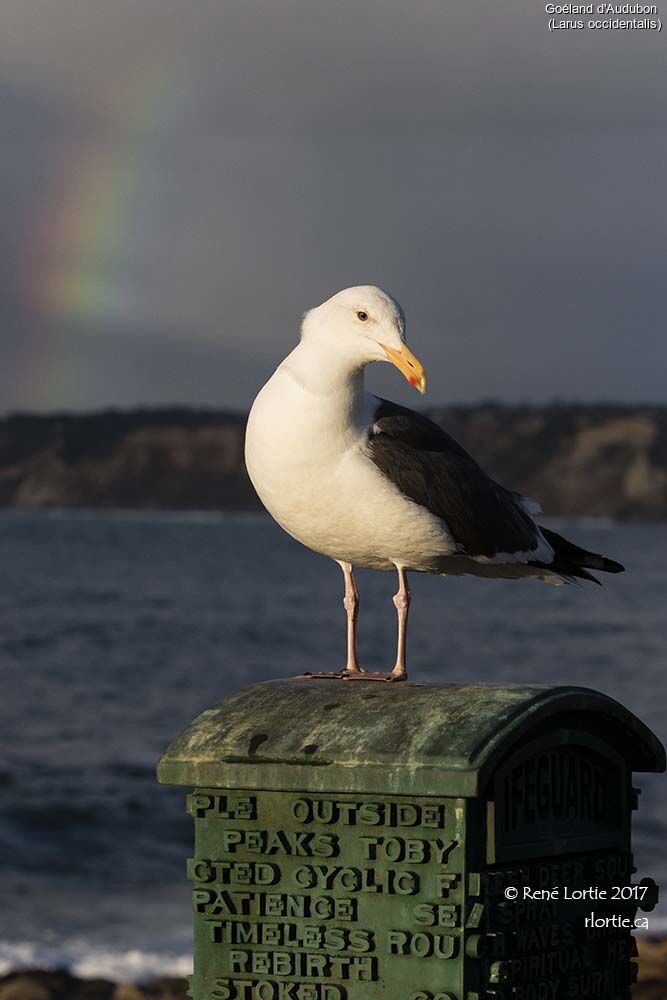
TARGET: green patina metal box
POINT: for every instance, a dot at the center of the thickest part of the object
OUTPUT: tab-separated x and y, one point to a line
413	842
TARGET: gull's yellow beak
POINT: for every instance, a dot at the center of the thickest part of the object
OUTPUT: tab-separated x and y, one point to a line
409	366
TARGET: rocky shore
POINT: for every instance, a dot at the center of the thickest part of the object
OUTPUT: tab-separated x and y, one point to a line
37	984
652	983
590	461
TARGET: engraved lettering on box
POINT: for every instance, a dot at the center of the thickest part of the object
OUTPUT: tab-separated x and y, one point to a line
305	893
222	806
415	852
552	799
547	953
249	989
291	935
308	965
300	843
215	903
392	881
436	914
421	944
368	813
232	872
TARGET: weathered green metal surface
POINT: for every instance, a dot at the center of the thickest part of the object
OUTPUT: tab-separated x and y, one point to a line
338	736
354	842
327	897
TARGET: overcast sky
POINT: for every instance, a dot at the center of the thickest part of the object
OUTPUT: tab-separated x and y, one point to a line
179	181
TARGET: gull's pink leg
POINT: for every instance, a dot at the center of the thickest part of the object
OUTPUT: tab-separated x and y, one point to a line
402	605
351	671
351	605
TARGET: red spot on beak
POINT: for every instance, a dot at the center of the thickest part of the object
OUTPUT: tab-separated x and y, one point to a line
413	381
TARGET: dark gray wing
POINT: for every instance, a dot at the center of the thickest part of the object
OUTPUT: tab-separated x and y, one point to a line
431	468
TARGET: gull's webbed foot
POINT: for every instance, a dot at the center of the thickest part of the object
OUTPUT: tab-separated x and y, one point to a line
393	676
347	673
358	674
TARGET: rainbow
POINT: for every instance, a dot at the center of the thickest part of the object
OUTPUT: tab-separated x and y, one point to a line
78	258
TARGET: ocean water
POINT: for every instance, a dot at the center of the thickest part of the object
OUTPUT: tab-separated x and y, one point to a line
118	629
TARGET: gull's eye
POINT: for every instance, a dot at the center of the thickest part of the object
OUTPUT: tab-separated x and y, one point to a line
362	315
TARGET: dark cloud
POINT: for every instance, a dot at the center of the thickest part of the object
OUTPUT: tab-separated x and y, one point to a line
506	184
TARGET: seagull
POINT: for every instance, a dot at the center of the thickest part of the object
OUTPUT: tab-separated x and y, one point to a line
373	484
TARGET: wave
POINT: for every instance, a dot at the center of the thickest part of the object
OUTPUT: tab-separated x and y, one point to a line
134	965
88	961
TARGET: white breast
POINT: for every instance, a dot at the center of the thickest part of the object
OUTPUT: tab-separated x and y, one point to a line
306	458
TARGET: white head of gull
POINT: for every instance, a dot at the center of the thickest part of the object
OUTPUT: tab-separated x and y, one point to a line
370	483
349	331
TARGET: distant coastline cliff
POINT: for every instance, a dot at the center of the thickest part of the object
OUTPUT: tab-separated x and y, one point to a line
594	461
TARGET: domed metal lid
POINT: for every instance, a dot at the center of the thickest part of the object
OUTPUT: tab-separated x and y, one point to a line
425	739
